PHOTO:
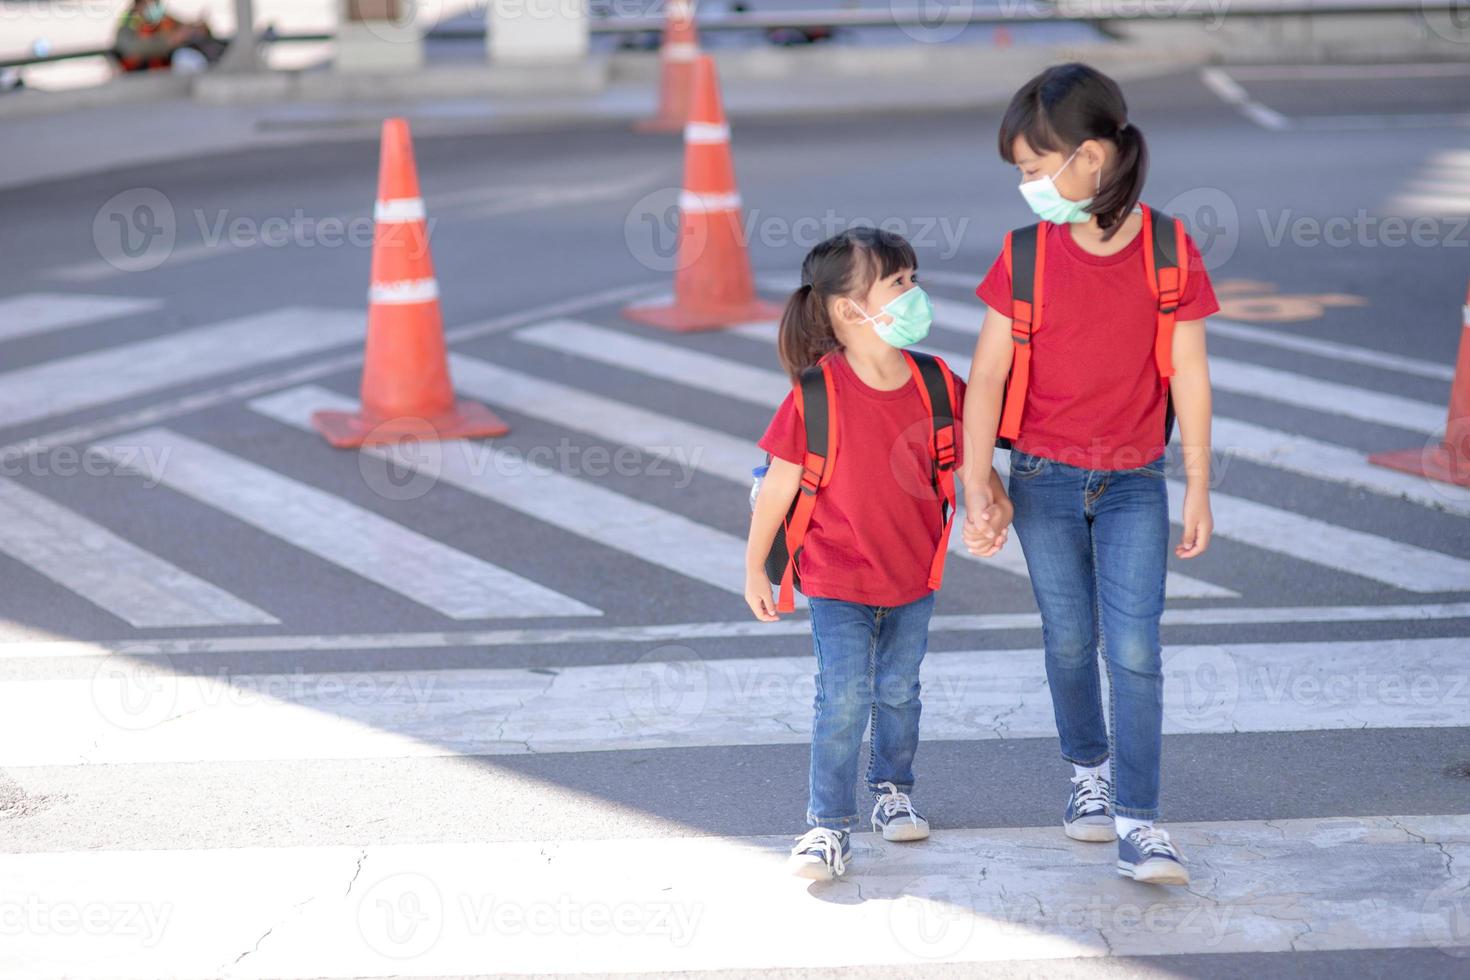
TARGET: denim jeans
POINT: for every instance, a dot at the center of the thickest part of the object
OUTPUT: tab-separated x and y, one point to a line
1097	543
867	671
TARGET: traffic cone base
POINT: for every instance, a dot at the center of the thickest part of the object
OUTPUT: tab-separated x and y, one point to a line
350	430
707	318
1433	462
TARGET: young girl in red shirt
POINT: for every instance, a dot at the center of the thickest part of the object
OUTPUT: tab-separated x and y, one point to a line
1087	468
875	528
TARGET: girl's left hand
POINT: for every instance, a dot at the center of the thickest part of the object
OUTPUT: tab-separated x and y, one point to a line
1198	523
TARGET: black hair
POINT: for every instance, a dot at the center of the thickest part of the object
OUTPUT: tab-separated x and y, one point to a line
847	264
1067	105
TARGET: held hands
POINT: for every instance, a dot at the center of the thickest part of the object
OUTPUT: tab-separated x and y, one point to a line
1198	522
987	521
758	596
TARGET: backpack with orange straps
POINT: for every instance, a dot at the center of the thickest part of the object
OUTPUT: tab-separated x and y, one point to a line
1025	258
816	403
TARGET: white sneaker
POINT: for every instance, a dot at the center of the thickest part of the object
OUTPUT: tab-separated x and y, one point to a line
894	814
821	853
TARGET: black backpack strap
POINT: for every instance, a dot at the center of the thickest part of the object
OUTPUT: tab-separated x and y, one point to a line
1025	252
938	394
816	398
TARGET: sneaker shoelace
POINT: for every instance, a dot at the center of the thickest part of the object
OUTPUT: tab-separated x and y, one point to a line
826	843
1152	841
1089	792
892	803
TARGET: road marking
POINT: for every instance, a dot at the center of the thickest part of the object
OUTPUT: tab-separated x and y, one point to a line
404	561
1290	534
659	633
965	319
613	520
1329	397
130	713
708	450
1402	566
1438	189
688	903
661	360
1288	387
196	401
1230	92
1324	461
110	572
94	378
33	313
1013	560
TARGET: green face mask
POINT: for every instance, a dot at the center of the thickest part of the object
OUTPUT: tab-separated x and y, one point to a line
912	314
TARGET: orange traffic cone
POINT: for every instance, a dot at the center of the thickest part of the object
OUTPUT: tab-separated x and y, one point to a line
405	375
676	63
1449	460
713	286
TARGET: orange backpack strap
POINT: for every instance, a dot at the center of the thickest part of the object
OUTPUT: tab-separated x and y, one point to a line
1163	256
816	403
936	386
1025	255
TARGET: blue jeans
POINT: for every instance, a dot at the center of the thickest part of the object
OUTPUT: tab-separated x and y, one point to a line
867	670
1097	545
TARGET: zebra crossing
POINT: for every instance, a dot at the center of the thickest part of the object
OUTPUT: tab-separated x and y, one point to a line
507	663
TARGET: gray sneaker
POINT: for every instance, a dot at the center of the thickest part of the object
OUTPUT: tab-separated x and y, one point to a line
1089	814
1148	855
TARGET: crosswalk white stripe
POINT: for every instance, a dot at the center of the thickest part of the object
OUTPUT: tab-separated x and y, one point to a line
34	313
127	713
680	904
736	629
1307	539
965	318
1012	559
1394	563
655	535
411	564
1273	384
1324	461
108	571
706	449
1305	456
1330	397
96	377
662	360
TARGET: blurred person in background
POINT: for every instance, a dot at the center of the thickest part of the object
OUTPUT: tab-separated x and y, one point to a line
149	37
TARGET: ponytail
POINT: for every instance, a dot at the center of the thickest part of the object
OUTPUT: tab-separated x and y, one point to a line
847	264
805	335
1122	184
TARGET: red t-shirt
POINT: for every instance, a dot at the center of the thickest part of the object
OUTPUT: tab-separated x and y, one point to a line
1094	398
875	527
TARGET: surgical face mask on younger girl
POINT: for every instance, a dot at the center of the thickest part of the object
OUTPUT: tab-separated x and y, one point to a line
911	314
1049	204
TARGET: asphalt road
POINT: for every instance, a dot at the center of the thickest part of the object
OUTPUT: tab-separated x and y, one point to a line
1341	239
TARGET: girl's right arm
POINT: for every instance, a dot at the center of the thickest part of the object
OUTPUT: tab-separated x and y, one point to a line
778	489
983	395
